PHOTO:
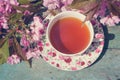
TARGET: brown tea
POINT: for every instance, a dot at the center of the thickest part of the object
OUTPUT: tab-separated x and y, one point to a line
69	36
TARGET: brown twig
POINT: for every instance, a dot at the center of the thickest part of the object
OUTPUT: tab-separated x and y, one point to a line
18	48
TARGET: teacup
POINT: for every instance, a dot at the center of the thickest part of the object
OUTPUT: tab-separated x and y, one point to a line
67	33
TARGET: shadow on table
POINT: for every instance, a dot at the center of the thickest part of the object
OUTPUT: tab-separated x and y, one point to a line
108	37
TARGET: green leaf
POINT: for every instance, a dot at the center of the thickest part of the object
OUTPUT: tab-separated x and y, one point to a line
15	18
24	1
4	52
84	5
3	40
88	7
19	8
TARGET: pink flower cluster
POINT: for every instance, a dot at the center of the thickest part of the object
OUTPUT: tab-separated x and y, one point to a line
34	36
51	4
55	4
33	54
110	20
4	7
103	8
107	18
13	59
27	41
24	41
37	28
3	23
5	10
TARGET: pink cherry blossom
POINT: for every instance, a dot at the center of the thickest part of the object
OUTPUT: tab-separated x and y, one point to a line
33	54
66	2
37	54
36	37
51	4
103	7
107	21
37	22
55	4
29	54
110	20
14	59
3	23
36	28
4	7
13	2
116	19
64	8
24	42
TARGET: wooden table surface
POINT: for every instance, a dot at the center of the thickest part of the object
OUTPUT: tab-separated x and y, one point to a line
107	66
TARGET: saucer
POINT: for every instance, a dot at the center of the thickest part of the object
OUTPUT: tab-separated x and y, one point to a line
76	62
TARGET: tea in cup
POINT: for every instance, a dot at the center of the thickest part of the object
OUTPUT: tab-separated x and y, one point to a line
68	34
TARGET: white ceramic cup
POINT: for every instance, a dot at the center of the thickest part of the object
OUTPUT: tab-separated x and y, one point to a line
66	14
